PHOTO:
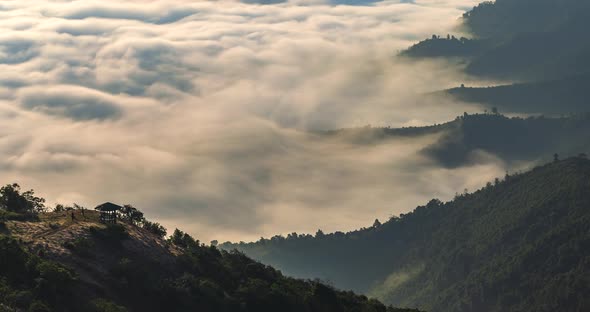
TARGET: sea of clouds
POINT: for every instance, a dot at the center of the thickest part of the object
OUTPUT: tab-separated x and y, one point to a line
199	112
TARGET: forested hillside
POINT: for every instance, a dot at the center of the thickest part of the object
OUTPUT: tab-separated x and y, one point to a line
462	140
561	96
521	243
519	39
68	261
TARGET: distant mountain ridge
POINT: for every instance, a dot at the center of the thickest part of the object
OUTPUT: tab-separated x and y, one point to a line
528	40
518	244
509	139
568	95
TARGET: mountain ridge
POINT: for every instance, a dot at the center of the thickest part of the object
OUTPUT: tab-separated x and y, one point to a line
490	250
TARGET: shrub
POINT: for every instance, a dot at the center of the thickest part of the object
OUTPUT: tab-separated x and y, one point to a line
38	306
131	214
21	299
81	246
6	215
102	305
154	228
184	240
112	233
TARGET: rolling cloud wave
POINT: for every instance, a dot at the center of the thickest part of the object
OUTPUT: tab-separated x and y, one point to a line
197	112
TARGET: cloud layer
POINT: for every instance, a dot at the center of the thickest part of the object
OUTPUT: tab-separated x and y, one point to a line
197	112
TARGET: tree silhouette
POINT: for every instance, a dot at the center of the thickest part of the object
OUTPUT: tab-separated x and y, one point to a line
11	199
377	223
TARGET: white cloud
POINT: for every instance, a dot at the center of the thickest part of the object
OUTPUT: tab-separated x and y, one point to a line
196	111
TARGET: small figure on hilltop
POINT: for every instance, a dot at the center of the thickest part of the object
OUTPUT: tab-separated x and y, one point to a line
81	209
73	216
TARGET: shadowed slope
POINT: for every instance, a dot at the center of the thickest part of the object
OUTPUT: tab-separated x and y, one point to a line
520	244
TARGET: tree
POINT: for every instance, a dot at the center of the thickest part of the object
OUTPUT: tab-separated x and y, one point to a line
154	228
184	240
132	214
11	199
319	234
495	110
377	223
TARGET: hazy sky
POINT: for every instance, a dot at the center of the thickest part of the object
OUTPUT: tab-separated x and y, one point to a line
196	111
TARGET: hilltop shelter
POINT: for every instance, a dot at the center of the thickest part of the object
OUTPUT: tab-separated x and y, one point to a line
108	212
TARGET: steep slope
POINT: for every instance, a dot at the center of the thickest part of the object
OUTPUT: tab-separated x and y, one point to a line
56	263
521	244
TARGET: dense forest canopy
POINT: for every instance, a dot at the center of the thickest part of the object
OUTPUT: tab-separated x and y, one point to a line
520	243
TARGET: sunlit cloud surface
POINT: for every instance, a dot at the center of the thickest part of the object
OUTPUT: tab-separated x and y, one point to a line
199	112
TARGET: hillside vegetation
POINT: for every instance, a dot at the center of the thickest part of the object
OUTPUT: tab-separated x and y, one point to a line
540	47
519	39
67	261
561	96
518	244
463	141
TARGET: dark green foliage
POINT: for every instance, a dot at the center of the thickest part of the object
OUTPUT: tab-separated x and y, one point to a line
207	279
520	39
101	305
38	306
522	244
504	18
17	205
134	216
154	228
562	96
30	283
128	277
181	239
112	233
9	215
131	214
511	139
81	246
446	47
